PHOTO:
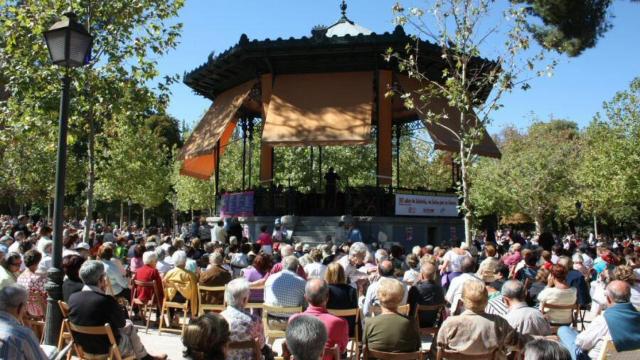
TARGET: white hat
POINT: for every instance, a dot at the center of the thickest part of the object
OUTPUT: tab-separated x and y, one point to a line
83	245
464	246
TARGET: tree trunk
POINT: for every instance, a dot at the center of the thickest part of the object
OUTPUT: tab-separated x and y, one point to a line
121	214
466	201
91	178
538	219
144	217
49	215
595	226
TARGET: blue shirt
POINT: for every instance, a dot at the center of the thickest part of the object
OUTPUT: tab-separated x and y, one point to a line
18	342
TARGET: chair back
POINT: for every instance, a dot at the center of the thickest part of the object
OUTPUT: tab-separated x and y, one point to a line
167	285
268	310
248	344
446	355
286	354
203	305
64	309
345	313
402	310
383	355
432	330
572	308
609	352
105	330
137	284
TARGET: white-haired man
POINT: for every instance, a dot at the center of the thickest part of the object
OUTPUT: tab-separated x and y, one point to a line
351	262
16	341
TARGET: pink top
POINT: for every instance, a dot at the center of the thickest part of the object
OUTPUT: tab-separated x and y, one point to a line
135	264
265	239
337	329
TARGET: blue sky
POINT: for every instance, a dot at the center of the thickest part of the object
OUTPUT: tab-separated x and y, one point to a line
575	92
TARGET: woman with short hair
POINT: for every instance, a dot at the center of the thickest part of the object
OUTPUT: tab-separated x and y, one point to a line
119	283
206	338
148	273
34	280
390	331
72	284
242	325
182	285
558	292
10	269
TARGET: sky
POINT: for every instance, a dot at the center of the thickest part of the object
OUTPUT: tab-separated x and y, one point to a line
575	92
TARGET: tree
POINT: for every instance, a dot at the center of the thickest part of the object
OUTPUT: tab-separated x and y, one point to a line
474	87
129	36
607	176
535	174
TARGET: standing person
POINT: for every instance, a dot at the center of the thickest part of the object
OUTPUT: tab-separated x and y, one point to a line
219	233
452	264
331	189
354	234
265	240
340	235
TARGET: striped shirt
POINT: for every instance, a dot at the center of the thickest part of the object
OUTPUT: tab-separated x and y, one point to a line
496	306
17	342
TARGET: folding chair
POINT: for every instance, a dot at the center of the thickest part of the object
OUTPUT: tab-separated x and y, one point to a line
248	344
270	333
428	335
203	306
355	340
256	306
402	310
149	306
446	355
573	308
105	330
166	305
65	333
383	355
609	352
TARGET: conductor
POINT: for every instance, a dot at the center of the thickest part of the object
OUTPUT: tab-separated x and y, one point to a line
331	188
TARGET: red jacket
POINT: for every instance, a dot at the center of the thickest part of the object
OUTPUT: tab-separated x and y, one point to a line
148	273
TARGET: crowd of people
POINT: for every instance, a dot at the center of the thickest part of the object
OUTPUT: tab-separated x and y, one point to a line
520	295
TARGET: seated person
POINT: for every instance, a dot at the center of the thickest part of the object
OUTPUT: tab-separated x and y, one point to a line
558	292
475	332
148	273
317	294
206	338
620	323
342	295
242	325
390	331
182	285
16	340
215	275
526	320
542	349
93	307
305	338
385	270
426	291
284	289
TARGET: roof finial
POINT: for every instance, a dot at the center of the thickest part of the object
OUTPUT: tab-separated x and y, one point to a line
343	8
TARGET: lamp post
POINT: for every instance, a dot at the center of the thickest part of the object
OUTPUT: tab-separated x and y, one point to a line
69	44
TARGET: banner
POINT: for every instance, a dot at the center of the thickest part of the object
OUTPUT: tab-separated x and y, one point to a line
237	204
426	205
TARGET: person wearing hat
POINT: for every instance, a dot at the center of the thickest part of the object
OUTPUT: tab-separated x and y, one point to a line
491	277
83	250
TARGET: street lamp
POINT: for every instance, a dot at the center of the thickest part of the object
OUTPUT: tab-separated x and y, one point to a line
69	45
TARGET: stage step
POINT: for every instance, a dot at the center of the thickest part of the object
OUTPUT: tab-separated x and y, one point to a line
314	230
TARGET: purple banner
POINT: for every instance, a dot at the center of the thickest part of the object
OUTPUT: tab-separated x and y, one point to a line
237	204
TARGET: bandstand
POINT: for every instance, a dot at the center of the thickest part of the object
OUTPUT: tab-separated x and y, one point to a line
326	89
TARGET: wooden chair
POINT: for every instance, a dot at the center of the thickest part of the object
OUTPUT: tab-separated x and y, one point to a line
204	306
149	306
65	333
254	306
609	352
402	310
573	308
446	355
37	323
382	355
166	305
355	340
114	352
270	333
248	344
428	335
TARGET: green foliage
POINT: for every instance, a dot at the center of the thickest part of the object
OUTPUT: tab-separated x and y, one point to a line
568	26
534	176
610	159
191	193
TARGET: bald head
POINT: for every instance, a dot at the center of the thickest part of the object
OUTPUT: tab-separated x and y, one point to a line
316	292
618	292
386	268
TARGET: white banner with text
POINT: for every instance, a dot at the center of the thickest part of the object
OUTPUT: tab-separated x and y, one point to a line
426	205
